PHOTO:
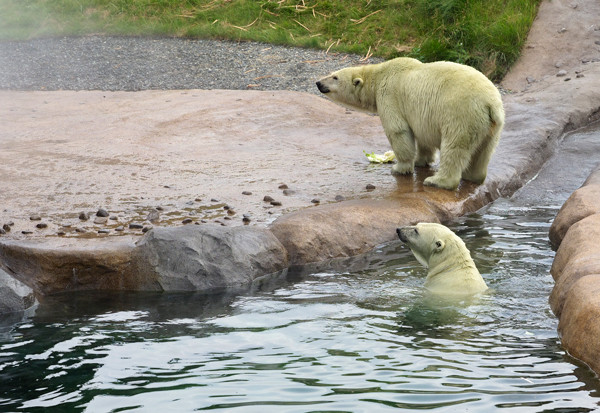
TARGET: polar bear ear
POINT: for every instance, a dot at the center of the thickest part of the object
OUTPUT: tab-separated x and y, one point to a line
357	81
439	245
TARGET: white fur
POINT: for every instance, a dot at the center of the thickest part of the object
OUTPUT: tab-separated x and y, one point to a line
451	270
424	107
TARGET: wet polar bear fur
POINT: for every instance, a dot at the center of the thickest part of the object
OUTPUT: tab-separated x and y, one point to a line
424	107
451	271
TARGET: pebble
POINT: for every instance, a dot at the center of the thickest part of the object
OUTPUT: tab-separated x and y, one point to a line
135	226
159	208
561	73
246	193
226	207
579	75
153	216
102	213
187	221
103	231
26	232
315	201
2	231
42	225
114	218
35	218
230	212
6	227
288	192
80	230
268	198
100	220
227	218
197	200
370	187
146	229
84	216
340	198
283	186
61	233
214	200
276	203
120	228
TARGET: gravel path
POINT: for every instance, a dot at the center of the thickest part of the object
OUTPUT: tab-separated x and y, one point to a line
139	63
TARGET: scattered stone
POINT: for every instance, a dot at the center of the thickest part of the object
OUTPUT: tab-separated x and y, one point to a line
226	207
61	233
84	216
42	225
153	216
340	198
135	226
197	200
562	30
187	221
370	187
214	200
246	193
268	198
80	230
2	231
114	218
35	218
102	213
288	192
120	228
246	219
561	73
100	220
567	79
159	208
227	218
103	231
283	186
146	229
26	232
579	75
6	227
203	221
230	212
275	203
530	79
315	201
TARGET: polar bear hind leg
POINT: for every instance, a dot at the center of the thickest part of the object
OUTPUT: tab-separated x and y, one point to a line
454	159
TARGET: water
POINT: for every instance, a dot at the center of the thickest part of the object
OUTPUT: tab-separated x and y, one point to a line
358	337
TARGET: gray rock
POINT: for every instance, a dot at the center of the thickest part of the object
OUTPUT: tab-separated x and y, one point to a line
14	295
102	213
207	257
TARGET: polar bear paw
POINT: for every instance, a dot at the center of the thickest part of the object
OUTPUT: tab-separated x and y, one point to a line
441	182
403	168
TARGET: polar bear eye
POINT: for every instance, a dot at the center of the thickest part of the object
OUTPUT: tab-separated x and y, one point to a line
335	78
416	231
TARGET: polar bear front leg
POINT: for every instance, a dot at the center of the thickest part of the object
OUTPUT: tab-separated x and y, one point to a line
403	145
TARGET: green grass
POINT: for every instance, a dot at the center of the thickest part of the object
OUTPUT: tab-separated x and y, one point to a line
487	34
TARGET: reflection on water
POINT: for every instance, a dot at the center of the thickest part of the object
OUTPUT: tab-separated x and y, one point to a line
357	337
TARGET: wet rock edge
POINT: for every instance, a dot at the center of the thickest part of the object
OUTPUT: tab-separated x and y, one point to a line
575	298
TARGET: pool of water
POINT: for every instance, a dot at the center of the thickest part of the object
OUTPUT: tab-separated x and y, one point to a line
358	337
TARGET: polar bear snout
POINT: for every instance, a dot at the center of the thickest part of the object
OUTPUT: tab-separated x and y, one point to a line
322	87
403	233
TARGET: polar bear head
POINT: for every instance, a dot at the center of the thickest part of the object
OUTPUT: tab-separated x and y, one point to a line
451	269
347	87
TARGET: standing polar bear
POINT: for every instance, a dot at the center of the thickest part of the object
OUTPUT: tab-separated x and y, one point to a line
451	270
424	107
